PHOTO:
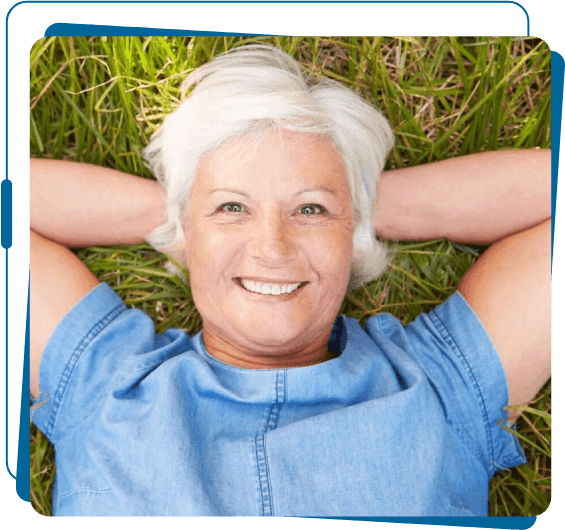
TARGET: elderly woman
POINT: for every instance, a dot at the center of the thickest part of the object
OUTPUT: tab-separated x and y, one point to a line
269	190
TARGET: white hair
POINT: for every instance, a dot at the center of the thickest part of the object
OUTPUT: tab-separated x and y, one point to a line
248	90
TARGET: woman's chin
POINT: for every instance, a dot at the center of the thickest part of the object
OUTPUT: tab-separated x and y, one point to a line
266	346
275	339
272	325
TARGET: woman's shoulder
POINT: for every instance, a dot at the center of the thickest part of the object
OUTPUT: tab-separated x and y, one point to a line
458	359
99	344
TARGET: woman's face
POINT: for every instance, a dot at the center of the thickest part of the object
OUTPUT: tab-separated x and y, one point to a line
269	245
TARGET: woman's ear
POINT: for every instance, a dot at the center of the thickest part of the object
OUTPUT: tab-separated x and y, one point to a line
173	269
178	260
178	253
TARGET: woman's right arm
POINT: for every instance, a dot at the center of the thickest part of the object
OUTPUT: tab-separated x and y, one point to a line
78	205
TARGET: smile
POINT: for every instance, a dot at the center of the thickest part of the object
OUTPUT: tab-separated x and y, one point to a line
275	289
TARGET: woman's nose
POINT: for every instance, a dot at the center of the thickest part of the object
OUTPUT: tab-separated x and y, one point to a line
273	242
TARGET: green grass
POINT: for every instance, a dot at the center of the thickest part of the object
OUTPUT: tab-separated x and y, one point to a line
98	100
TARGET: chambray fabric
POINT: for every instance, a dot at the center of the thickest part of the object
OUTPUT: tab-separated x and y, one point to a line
405	422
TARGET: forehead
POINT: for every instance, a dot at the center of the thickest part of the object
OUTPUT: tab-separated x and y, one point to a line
278	158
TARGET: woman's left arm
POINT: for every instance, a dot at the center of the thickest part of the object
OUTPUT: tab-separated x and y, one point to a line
476	199
509	288
502	198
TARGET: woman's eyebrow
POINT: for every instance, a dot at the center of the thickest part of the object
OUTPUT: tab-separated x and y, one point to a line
229	190
318	188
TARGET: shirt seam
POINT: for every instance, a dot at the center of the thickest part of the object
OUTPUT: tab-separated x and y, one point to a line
72	363
264	474
82	490
452	343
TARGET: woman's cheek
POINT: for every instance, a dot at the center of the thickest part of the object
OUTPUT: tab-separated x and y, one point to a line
220	250
332	253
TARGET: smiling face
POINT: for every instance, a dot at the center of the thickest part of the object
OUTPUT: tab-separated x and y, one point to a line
269	243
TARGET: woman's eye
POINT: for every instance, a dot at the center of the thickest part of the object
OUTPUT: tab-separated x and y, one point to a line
231	207
311	209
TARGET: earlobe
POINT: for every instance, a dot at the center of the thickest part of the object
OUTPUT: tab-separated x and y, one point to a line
173	269
178	253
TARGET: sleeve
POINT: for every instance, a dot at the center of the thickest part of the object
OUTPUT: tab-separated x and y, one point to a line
464	369
93	347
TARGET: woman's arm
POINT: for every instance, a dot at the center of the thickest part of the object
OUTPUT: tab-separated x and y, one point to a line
509	288
501	197
80	205
58	280
471	199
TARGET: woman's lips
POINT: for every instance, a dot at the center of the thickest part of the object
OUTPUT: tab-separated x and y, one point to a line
271	288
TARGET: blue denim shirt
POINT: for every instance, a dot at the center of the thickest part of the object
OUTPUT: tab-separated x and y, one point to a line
405	422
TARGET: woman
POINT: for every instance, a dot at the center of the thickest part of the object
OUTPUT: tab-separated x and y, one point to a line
278	407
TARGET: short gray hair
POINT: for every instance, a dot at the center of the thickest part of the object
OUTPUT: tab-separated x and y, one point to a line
248	90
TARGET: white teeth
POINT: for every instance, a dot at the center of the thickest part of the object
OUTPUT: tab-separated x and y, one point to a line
269	288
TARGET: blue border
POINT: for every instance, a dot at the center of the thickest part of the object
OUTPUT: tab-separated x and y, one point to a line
22	484
557	70
69	29
88	30
516	523
181	32
63	29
